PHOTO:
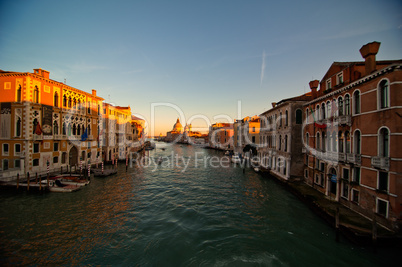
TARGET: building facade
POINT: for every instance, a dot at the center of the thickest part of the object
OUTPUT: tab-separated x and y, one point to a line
280	151
45	123
351	136
220	136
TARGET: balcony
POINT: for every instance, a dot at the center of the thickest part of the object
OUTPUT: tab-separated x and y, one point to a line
354	158
341	157
37	137
58	136
345	120
380	163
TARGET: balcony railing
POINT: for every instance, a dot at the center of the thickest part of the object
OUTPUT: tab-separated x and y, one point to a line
37	137
380	163
354	158
58	136
341	157
345	120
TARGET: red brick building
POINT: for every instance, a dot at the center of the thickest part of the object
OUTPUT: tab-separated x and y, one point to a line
352	134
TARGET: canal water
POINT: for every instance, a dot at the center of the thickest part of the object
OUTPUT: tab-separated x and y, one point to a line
173	214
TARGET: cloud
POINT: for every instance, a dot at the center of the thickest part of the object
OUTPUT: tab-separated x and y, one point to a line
85	67
262	67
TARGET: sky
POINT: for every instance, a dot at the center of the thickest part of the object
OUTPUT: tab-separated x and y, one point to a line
200	61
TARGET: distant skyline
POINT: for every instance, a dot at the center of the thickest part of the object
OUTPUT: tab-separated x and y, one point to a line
206	58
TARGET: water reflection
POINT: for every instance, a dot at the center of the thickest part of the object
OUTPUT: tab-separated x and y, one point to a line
204	216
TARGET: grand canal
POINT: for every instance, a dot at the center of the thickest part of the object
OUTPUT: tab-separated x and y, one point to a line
173	215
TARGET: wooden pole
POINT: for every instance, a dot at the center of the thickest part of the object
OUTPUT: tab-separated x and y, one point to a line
337	224
36	178
47	180
28	182
61	169
374	234
40	182
18	180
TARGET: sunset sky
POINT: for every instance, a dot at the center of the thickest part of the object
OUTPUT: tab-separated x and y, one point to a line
197	59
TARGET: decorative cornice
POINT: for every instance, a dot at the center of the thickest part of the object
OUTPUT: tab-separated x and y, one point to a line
367	78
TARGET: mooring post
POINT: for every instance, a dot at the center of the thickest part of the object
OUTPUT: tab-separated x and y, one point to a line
36	178
374	234
40	182
18	180
28	182
337	224
61	169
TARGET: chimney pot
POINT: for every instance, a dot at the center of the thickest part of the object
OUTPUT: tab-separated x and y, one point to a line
313	86
93	92
368	52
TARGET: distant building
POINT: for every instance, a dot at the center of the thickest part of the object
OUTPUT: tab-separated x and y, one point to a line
280	150
246	132
220	136
176	133
352	136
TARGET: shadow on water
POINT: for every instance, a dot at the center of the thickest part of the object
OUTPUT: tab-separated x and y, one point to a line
170	215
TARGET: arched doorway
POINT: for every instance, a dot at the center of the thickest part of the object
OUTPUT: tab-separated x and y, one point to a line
332	181
73	156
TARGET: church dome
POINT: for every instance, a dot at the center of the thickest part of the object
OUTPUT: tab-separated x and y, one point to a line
178	127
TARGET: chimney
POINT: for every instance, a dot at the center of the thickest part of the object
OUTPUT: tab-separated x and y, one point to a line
368	52
93	92
313	86
273	104
43	73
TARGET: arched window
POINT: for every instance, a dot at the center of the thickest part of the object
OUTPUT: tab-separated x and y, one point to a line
356	102
19	94
75	103
69	102
340	142
347	105
280	142
69	129
324	142
64	129
78	130
286	118
286	143
18	127
83	129
340	106
89	129
307	139
384	143
35	122
280	119
55	127
64	101
329	115
36	95
317	112
384	94
299	116
347	142
74	129
89	107
317	141
323	111
334	142
56	99
357	143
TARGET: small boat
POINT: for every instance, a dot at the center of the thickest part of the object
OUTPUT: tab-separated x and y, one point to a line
163	148
256	169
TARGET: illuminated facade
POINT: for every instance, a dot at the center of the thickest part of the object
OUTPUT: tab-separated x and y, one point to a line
220	136
352	135
46	123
